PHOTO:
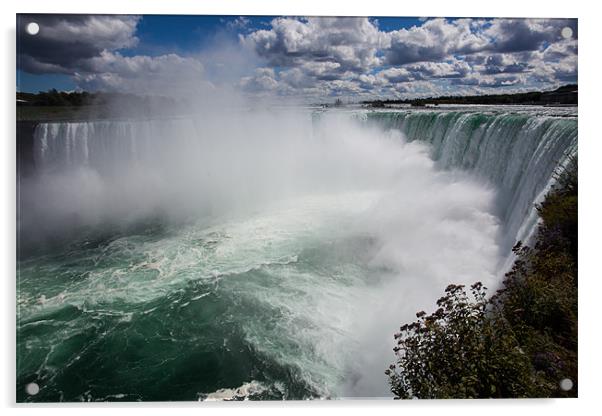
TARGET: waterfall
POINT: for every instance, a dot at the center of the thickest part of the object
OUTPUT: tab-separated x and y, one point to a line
516	151
282	249
105	145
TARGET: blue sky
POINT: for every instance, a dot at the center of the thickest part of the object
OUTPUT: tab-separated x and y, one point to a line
314	58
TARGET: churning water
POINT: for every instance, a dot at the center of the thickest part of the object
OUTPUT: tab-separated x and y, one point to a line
262	255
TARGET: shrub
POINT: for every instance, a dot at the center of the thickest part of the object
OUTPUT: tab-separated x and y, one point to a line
519	343
460	351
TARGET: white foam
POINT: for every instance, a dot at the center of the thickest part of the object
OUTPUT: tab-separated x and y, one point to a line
239	393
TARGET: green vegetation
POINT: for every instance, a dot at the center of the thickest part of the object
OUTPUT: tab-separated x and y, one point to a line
56	105
565	95
54	98
522	341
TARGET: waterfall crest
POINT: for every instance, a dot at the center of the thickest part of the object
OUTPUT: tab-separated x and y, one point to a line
517	152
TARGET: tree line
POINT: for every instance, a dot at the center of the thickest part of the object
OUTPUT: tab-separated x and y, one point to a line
565	95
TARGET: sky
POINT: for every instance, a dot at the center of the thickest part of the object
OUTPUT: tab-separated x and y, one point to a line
309	58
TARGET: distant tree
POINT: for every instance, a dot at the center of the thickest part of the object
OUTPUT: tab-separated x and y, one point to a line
563	95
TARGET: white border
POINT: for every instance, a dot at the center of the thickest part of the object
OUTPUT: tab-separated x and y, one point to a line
462	8
590	210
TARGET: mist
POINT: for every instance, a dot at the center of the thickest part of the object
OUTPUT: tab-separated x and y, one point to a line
418	229
276	181
116	172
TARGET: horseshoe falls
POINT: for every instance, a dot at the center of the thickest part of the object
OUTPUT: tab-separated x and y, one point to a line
263	254
517	152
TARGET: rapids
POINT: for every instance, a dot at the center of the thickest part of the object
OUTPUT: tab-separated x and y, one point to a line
263	256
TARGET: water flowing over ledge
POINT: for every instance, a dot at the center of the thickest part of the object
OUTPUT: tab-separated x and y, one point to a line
517	151
292	300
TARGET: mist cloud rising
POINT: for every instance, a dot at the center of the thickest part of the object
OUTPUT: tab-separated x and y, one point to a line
267	180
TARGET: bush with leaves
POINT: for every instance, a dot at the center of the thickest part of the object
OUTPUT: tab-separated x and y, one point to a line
460	351
519	343
539	294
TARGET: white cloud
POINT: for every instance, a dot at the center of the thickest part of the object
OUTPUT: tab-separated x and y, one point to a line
66	41
434	40
102	32
240	22
164	74
490	81
350	42
396	75
451	69
313	57
517	35
450	56
264	80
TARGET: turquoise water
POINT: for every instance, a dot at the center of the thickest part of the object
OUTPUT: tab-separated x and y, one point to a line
289	285
177	313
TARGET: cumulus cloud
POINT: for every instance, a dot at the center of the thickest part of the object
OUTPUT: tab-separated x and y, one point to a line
64	42
88	48
396	75
312	57
434	40
239	23
263	80
477	54
491	81
112	71
450	69
350	42
517	35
